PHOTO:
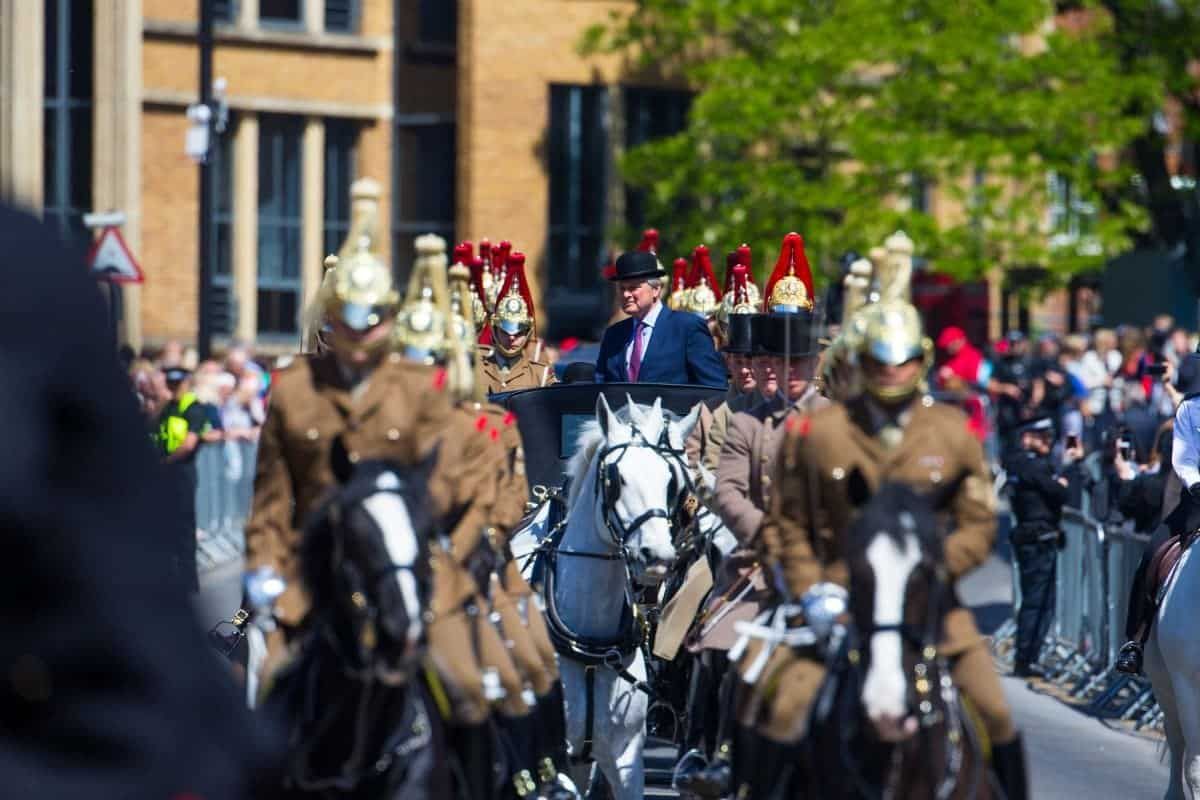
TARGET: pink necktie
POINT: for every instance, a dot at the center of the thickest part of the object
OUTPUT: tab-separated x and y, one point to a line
635	358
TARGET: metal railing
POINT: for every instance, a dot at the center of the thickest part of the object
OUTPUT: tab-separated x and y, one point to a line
1093	574
224	488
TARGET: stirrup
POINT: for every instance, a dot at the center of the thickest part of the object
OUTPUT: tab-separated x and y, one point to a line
1129	658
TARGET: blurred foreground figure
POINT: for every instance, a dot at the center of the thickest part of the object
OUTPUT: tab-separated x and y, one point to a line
108	690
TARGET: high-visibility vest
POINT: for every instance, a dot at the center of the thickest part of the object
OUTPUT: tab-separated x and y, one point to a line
173	429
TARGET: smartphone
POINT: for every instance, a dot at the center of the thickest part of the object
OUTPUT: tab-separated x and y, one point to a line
1126	449
1072	441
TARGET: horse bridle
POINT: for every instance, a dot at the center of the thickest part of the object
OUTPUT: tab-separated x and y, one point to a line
608	486
354	585
930	664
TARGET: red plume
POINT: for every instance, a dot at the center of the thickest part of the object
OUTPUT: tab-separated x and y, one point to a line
649	243
476	265
679	274
514	274
702	271
609	270
741	291
464	253
485	254
791	259
731	260
743	253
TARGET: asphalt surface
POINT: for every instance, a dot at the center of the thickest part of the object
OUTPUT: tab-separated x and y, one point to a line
1071	756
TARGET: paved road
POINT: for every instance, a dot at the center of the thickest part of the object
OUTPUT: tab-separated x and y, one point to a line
1071	756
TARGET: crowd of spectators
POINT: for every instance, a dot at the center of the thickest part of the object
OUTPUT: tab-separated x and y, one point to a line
231	389
1112	395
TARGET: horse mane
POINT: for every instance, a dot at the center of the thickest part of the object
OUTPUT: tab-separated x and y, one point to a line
882	514
589	441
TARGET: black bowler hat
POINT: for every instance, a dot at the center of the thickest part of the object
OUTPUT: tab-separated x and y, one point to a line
741	339
758	333
637	264
788	335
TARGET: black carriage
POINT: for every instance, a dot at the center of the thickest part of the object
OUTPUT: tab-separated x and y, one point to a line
550	418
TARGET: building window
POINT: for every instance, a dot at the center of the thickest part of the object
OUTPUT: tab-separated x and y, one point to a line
1072	219
289	13
280	223
341	16
438	22
423	195
223	316
225	11
918	193
650	114
578	167
67	118
341	137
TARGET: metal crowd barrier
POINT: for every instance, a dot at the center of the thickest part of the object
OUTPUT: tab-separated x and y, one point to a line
224	488
1093	575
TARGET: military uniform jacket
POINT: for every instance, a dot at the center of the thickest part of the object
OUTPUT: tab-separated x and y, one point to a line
747	462
706	439
521	372
311	406
811	510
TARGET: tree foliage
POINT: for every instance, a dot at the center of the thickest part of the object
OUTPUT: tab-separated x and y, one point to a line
821	115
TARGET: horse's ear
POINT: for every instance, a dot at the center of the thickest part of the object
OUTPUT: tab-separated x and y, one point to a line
685	426
634	411
604	415
858	491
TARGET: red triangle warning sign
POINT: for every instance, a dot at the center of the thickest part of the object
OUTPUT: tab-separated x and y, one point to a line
110	259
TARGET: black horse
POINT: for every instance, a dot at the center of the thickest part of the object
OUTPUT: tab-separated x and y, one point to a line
887	721
361	719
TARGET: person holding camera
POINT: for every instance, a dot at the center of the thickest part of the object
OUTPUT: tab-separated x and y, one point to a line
1038	495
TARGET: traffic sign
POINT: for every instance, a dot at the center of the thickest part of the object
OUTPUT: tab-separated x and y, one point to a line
110	259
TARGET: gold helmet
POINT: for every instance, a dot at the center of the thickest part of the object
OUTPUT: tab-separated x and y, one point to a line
891	333
741	294
462	323
702	298
420	333
790	288
357	292
677	300
513	314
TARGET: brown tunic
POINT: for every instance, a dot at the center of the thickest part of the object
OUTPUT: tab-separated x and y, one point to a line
507	375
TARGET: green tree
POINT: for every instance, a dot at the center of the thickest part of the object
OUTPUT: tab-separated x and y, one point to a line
822	115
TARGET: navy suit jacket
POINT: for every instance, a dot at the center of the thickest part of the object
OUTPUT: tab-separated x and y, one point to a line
681	351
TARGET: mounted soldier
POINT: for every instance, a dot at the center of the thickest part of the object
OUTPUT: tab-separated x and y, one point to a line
891	432
506	364
351	400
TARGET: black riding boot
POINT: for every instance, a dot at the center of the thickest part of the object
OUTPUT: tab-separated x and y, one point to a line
716	779
1008	762
473	747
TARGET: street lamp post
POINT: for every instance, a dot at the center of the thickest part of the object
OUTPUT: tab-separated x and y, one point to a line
204	313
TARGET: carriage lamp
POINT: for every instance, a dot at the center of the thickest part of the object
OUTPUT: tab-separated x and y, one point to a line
262	587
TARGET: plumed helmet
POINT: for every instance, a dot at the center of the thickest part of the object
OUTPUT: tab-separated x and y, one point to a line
702	296
514	313
790	287
421	323
891	332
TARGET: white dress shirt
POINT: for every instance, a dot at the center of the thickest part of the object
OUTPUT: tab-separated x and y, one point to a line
1185	447
645	330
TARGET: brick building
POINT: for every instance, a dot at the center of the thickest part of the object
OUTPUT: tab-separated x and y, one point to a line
478	117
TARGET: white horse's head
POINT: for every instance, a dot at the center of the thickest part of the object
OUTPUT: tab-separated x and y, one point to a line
640	477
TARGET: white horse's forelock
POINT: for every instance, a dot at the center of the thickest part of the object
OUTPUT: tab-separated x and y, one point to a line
589	441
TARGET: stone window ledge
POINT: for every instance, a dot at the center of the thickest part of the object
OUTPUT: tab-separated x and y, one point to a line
265	37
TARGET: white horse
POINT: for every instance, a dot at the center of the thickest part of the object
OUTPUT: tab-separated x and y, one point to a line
626	480
1173	664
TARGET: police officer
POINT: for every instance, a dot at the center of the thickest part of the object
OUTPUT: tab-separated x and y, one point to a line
181	423
505	365
1038	495
891	432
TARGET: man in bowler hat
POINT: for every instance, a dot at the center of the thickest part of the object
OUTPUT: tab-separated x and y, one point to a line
655	344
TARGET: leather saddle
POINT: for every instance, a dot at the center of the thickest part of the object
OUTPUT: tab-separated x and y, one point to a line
1163	563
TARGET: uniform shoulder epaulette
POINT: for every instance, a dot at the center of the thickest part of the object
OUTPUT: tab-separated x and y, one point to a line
485	351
